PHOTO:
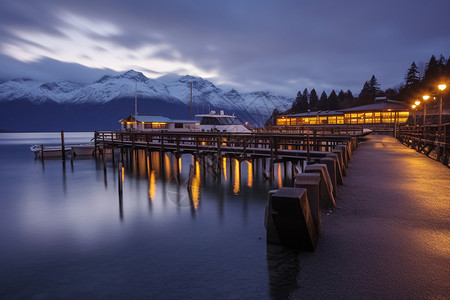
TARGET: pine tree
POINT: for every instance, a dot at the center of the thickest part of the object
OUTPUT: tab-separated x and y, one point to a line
412	77
323	101
365	94
332	101
374	87
300	104
431	71
341	99
313	100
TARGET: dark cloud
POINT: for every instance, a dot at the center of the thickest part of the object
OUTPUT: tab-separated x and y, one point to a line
50	70
283	46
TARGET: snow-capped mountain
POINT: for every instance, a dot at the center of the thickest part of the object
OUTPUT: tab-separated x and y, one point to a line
154	95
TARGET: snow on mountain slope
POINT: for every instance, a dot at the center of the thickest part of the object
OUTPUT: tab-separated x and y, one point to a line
203	91
173	89
124	86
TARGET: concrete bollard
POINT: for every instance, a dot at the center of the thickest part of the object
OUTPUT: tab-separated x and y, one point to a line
339	176
289	221
344	154
326	187
331	166
311	182
338	152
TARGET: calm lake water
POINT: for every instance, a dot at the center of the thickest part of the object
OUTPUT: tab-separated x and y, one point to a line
65	233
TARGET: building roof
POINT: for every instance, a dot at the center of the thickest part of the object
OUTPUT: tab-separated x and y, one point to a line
151	118
317	113
157	119
381	103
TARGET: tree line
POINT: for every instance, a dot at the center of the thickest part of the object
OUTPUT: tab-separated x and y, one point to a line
418	80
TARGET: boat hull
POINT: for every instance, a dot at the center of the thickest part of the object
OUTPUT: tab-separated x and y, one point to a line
83	150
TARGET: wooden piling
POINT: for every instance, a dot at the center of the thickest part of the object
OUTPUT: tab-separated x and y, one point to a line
120	178
42	153
63	148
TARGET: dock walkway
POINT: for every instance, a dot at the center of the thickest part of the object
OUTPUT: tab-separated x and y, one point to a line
389	237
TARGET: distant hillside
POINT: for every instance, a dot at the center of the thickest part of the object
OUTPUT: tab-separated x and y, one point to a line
29	105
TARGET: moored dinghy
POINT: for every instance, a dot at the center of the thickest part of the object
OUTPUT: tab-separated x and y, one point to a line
49	151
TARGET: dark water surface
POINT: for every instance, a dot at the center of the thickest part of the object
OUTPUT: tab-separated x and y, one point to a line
65	233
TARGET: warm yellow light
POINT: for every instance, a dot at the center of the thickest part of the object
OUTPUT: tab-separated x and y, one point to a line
250	174
413	106
426	97
442	86
237	177
417	102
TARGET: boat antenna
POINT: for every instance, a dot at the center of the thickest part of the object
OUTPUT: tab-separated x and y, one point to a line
191	101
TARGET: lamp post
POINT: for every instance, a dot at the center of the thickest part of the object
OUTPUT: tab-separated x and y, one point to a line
425	98
441	87
414	113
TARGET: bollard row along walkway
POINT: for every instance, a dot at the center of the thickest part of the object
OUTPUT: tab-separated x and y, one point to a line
389	235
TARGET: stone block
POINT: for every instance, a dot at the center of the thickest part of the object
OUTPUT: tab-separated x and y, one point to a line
326	187
339	176
311	182
338	152
331	166
344	154
290	220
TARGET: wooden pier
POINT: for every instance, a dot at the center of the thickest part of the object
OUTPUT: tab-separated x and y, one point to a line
273	147
431	140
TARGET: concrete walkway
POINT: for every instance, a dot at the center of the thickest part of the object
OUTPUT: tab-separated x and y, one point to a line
389	237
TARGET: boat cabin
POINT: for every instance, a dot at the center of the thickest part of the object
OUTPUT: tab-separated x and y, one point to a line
142	122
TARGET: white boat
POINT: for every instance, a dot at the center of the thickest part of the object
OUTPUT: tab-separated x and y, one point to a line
83	150
49	151
221	122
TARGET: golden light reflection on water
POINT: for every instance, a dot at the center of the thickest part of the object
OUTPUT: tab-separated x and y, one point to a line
195	186
224	167
167	166
280	180
237	178
249	174
152	185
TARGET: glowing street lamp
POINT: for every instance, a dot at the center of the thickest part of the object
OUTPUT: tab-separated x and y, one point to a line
425	98
441	87
417	102
414	112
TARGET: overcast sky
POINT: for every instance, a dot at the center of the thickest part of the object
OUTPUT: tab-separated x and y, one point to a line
281	46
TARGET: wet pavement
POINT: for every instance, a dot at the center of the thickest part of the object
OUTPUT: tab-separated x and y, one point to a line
389	236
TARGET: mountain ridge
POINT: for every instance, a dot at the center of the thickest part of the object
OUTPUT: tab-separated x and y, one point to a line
169	90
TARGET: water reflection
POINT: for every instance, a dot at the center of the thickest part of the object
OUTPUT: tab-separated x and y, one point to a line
237	177
280	179
224	167
249	174
283	266
152	185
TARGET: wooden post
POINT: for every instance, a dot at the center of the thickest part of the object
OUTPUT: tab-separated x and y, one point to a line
95	143
63	149
120	179
42	153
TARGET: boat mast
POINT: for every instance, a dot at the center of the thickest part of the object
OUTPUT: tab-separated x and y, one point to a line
191	100
135	105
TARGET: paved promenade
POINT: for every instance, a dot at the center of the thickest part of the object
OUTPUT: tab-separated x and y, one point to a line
389	237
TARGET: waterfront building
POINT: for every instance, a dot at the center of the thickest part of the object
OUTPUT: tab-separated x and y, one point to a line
383	111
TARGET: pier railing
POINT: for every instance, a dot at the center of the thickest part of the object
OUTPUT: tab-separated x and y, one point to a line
431	140
219	141
353	130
